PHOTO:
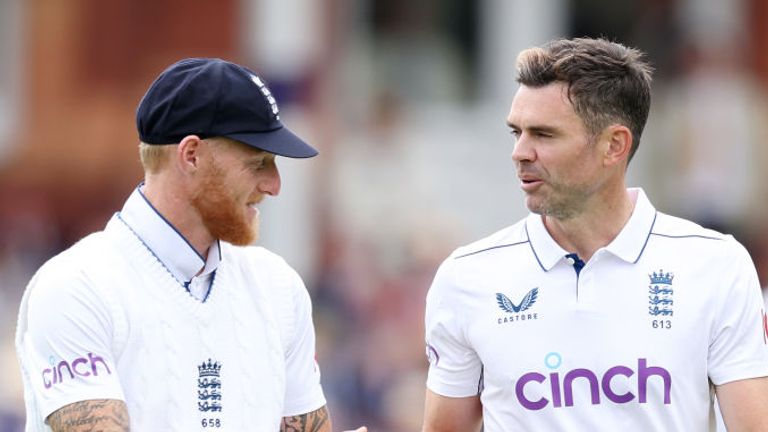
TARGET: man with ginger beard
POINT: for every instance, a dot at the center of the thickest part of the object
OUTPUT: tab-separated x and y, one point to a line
169	319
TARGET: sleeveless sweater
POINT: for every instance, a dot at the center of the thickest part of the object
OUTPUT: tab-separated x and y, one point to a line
180	364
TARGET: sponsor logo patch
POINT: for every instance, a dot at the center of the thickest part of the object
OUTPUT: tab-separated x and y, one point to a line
515	312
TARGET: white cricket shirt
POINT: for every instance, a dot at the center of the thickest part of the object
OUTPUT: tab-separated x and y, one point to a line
110	319
631	343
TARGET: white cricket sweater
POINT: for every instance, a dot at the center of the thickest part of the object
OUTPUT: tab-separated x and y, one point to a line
105	319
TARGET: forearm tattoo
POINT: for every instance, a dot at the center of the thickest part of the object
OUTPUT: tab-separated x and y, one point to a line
98	415
316	421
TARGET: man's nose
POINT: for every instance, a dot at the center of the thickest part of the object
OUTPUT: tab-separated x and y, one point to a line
523	150
270	183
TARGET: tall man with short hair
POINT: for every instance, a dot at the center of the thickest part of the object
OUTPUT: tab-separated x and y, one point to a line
596	312
168	320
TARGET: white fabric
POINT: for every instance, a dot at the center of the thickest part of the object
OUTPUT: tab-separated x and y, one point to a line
170	247
110	312
610	349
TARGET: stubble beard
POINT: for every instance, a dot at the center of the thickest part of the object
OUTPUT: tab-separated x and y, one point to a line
222	215
563	201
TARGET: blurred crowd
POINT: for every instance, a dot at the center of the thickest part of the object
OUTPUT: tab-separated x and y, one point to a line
406	101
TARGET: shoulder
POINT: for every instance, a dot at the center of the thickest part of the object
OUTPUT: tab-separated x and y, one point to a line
480	260
77	284
258	260
67	293
678	228
77	263
510	237
273	282
685	236
685	232
284	287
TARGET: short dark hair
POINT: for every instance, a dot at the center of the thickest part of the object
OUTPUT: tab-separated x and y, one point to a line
607	82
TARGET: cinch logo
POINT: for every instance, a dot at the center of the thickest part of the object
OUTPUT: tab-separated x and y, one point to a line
80	366
561	390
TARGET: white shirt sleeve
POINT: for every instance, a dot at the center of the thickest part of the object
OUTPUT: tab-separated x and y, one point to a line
65	341
739	343
454	368
303	392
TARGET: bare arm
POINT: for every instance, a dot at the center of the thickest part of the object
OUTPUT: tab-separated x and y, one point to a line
446	414
744	404
316	421
104	415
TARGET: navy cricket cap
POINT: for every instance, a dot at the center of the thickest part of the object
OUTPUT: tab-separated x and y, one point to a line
215	98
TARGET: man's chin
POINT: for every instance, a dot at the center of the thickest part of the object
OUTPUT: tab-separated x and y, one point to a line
534	205
239	241
238	234
244	238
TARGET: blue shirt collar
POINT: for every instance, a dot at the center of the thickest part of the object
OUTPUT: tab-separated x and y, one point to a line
628	245
167	243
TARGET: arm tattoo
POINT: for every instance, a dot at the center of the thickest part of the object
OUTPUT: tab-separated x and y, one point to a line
98	415
316	421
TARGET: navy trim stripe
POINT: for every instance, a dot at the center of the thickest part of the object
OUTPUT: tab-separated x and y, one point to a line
481	381
688	236
210	286
650	231
532	249
183	284
172	227
490	248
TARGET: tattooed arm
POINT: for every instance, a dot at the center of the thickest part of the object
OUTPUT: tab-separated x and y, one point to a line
103	415
316	421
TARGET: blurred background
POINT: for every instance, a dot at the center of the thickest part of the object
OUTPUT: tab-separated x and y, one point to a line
406	100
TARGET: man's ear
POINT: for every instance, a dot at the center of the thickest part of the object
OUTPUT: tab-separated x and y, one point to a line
188	153
619	143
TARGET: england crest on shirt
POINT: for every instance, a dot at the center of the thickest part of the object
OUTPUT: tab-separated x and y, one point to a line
209	393
660	294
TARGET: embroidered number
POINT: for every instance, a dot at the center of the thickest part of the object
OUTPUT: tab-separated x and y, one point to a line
662	324
210	423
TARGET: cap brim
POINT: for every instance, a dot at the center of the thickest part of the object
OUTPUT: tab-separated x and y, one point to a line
281	142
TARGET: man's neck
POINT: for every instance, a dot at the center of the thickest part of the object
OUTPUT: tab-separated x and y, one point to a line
174	206
595	227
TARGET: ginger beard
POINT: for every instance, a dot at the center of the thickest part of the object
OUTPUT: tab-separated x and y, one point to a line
222	214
